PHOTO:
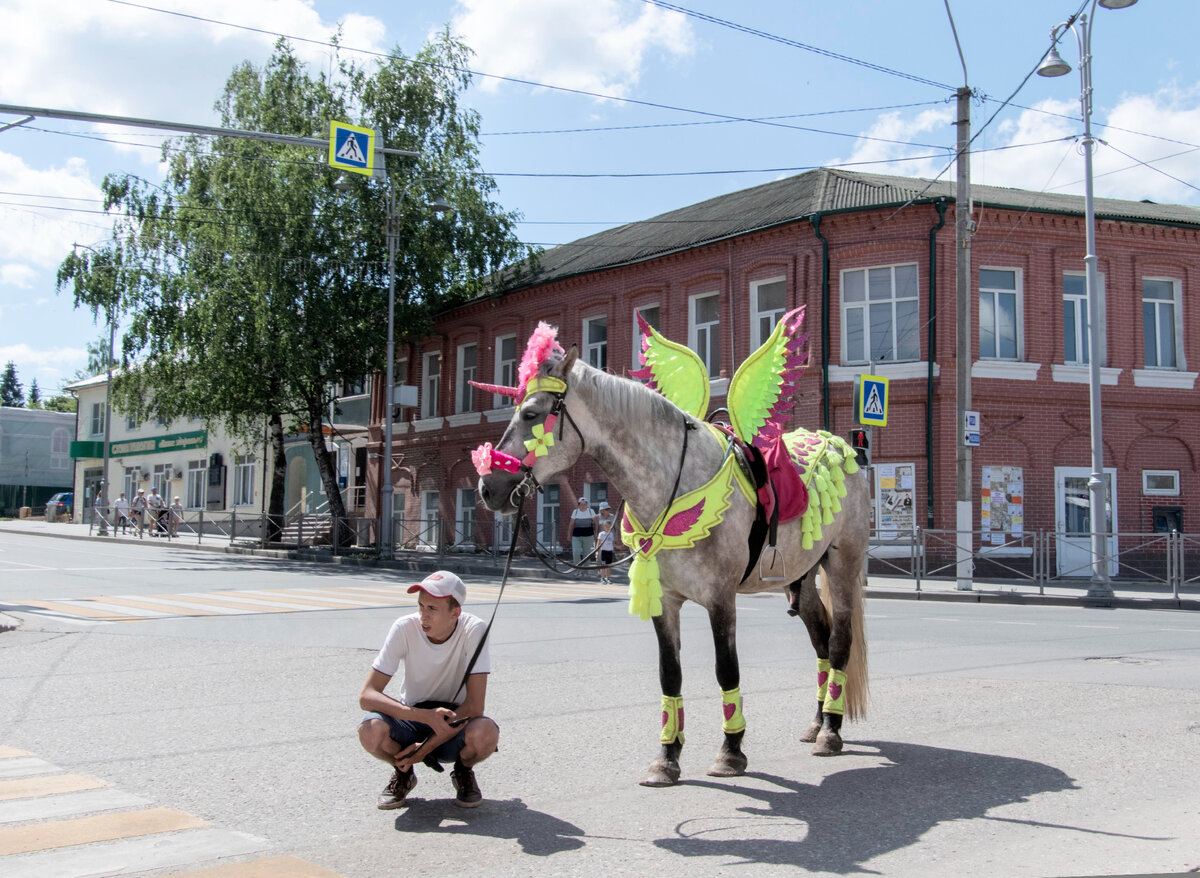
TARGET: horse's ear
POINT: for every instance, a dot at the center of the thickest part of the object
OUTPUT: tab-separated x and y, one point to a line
562	368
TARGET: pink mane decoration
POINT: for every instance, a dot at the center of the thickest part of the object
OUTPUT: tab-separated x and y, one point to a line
543	344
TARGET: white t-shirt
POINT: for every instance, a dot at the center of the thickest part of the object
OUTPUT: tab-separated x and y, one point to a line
432	671
605	539
156	501
122	506
581	522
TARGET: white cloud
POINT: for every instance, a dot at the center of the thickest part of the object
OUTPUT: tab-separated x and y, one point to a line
50	366
17	275
1054	163
37	226
595	46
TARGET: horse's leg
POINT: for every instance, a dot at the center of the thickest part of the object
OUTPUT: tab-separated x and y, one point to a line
841	571
664	771
730	761
806	603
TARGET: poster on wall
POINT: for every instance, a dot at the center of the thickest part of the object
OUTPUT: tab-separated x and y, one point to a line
894	487
1002	504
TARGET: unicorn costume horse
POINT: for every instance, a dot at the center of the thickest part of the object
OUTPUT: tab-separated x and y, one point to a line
696	520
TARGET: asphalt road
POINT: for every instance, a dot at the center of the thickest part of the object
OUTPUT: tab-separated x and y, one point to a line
1002	740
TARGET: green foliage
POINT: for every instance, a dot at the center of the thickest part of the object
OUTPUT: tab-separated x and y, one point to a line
11	392
251	286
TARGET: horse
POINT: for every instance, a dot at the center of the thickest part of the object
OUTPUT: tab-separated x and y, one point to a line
653	453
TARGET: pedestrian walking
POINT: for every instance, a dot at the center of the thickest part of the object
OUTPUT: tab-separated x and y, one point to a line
139	511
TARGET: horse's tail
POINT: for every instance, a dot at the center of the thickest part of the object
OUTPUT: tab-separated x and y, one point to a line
857	681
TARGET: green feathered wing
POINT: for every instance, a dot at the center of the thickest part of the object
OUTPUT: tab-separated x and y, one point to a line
674	370
761	390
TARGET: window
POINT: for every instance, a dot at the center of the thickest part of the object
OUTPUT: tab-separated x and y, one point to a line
197	484
132	424
355	388
768	299
1075	318
431	379
400	371
60	448
464	400
161	480
1161	482
595	342
880	312
704	330
650	313
130	483
1000	314
547	517
506	368
1161	323
429	519
464	518
97	419
596	493
243	480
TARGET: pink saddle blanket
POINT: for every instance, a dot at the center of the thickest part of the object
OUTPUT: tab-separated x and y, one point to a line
785	484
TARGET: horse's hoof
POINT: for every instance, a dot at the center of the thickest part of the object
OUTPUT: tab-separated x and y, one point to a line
810	735
729	765
828	744
661	774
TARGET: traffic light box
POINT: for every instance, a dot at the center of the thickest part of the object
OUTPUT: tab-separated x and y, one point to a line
860	441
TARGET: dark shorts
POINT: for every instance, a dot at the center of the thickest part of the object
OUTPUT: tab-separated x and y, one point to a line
606	557
404	733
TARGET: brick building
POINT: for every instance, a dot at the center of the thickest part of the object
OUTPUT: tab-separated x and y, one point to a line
873	259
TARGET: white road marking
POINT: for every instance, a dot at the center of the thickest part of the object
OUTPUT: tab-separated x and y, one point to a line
68	805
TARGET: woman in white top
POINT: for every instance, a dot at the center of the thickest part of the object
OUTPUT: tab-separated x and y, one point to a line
583	530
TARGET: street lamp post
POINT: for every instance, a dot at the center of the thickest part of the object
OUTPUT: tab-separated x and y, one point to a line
102	528
387	489
1054	65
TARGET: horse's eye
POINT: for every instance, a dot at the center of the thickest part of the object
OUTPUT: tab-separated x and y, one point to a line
529	415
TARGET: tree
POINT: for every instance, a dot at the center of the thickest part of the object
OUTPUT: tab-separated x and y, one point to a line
11	393
253	287
35	396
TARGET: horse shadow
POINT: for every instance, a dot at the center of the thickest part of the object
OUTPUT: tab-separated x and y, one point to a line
857	814
539	834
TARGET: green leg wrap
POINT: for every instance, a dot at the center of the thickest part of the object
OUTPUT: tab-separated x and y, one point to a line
672	720
835	698
732	706
822	679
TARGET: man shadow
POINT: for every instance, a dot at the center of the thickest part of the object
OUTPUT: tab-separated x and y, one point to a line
857	814
539	834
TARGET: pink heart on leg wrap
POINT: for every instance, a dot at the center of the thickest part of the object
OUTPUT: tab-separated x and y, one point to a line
835	691
730	709
822	677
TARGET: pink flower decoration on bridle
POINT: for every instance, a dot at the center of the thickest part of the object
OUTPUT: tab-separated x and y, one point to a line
485	457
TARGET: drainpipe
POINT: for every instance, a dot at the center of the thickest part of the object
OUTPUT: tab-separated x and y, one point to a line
815	219
940	207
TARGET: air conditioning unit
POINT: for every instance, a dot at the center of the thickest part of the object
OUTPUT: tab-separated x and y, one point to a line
175	474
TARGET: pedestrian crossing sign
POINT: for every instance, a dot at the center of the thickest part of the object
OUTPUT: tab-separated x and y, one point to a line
351	148
871	400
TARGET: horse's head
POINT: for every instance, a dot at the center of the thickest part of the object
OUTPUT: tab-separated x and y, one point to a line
541	438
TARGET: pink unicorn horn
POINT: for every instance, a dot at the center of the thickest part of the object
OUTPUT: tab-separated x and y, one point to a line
499	389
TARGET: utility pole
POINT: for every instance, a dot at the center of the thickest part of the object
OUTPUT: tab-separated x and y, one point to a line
965	518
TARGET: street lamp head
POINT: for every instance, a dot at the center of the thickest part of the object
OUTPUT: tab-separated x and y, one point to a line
1053	64
440	205
1117	4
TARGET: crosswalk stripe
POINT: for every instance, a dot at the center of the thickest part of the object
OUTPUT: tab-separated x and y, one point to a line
284	599
26	766
25	788
334	598
68	805
133	855
73	610
275	867
242	606
12	753
88	830
139	604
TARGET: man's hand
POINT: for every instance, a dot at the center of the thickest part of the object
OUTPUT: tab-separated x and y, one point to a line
439	723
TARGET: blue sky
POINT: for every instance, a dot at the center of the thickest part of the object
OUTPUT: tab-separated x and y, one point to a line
669	136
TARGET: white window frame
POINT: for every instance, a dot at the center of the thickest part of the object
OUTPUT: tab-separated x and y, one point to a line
595	353
637	330
464	518
504	370
1175	307
1148	474
707	334
60	448
596	493
863	309
431	383
464	397
131	482
196	486
1079	303
549	511
160	478
97	419
243	480
1018	296
763	320
430	512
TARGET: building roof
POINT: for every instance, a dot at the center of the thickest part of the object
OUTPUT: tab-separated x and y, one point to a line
794	199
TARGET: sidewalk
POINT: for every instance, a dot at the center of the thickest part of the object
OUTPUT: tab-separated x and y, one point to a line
1126	594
